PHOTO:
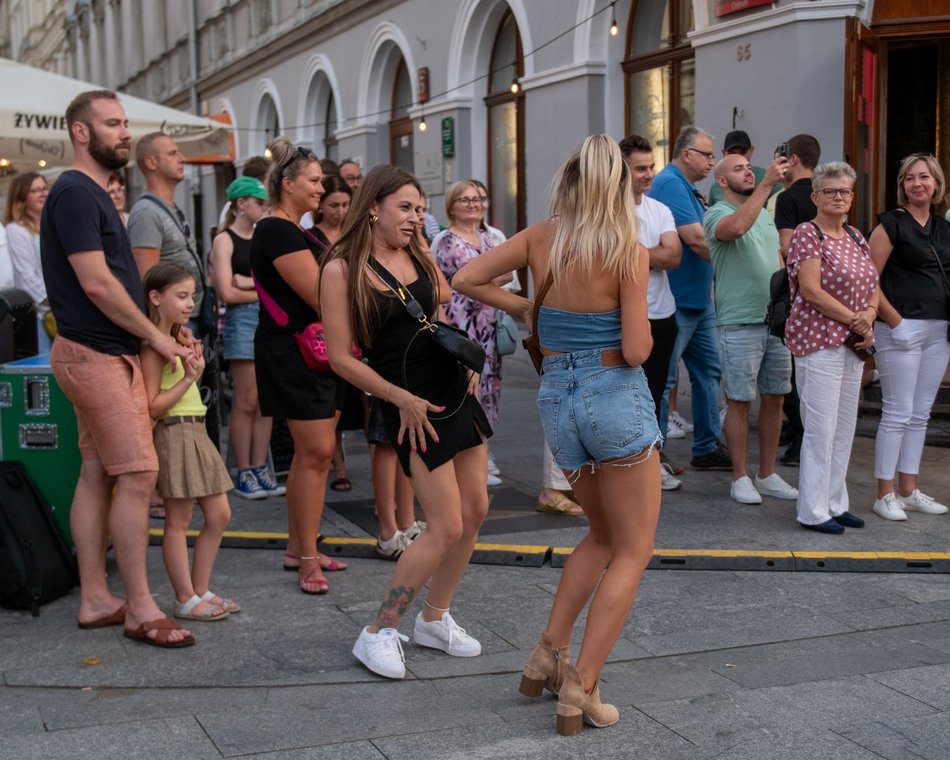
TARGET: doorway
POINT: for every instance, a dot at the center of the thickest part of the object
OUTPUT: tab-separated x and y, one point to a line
918	106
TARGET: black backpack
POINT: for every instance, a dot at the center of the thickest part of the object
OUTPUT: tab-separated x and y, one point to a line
36	564
780	291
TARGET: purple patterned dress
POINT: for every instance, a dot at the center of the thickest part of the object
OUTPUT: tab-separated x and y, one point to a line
451	252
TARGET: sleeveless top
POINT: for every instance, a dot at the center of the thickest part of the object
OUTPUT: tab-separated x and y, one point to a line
189	405
570	331
241	256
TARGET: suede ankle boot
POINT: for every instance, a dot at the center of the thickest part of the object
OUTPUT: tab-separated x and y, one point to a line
545	668
576	707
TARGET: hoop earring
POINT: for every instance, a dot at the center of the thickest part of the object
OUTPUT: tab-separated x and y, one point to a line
373	218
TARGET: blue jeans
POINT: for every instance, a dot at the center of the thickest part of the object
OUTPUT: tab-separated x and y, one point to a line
698	345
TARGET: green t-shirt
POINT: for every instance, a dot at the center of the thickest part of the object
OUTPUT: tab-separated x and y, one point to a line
742	267
715	192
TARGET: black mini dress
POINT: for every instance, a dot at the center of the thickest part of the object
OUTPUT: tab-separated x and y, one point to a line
430	372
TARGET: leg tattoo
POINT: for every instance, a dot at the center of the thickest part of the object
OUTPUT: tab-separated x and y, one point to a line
392	609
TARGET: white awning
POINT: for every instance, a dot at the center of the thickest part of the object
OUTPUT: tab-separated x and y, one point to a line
33	121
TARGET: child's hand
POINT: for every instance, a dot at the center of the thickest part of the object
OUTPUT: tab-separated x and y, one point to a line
191	369
200	362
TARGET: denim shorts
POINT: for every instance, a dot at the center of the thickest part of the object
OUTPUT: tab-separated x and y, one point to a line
591	413
753	360
240	324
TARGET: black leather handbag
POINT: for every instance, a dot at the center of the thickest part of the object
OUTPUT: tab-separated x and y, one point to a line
450	338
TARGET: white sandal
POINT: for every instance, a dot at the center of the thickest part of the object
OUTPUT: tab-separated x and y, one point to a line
186	611
229	605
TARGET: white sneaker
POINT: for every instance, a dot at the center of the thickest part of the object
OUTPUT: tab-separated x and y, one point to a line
744	492
394	547
673	430
668	481
921	502
493	480
773	485
415	530
681	422
492	466
381	652
889	508
446	635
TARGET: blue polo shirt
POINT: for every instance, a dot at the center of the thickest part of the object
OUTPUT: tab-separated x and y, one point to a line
691	283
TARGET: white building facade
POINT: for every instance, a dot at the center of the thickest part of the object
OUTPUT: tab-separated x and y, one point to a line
508	88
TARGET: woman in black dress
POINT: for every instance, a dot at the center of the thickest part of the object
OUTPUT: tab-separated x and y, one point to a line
285	264
430	409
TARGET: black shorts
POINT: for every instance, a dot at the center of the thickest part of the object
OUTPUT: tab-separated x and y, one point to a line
287	387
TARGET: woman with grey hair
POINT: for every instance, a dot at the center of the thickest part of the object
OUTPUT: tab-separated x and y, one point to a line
829	329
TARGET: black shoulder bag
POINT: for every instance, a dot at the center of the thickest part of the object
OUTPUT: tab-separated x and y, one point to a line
450	338
946	282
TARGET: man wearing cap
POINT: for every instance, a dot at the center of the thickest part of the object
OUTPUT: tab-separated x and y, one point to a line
737	142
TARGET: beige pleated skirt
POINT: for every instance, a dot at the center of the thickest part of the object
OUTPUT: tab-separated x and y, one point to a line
189	465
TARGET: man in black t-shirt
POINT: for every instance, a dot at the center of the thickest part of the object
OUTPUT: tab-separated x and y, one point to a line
793	207
96	296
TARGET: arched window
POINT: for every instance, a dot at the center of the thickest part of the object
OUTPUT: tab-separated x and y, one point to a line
268	122
320	113
506	129
400	125
660	72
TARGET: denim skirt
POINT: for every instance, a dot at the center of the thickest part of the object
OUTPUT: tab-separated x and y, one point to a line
591	413
240	324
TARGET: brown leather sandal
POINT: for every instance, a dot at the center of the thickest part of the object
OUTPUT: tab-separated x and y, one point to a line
163	628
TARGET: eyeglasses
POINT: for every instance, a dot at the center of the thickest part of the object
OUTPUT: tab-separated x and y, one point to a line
833	192
704	154
905	159
185	229
473	202
352	178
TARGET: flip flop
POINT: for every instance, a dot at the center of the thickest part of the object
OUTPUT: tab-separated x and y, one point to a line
341	484
560	505
333	566
162	627
114	618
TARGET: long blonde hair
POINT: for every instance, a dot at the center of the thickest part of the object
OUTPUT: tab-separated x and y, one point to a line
592	205
355	247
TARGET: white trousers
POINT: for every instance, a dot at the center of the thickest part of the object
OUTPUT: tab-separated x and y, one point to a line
829	382
911	359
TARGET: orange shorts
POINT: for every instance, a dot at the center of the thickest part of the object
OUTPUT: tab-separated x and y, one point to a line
108	393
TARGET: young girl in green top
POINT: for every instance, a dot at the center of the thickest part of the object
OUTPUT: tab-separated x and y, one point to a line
190	467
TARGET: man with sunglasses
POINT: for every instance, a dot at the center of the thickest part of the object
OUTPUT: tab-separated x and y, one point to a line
158	228
691	283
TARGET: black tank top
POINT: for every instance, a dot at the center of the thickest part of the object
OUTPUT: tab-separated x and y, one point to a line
241	257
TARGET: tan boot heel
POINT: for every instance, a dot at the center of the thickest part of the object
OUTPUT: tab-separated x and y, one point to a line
570	720
532	683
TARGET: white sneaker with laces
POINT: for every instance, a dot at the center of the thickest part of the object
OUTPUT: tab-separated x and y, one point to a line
921	502
889	508
668	481
415	530
493	480
492	466
673	430
775	486
382	652
445	634
392	548
744	492
681	422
